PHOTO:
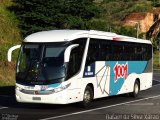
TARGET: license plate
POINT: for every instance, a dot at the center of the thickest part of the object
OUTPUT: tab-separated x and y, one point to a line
36	98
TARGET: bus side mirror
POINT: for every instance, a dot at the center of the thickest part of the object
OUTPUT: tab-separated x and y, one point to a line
68	51
9	54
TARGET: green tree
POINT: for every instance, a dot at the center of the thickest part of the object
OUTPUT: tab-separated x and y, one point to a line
38	15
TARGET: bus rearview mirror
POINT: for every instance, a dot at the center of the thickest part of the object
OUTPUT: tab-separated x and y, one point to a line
9	54
68	51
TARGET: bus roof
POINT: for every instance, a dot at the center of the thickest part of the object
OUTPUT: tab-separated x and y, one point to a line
68	35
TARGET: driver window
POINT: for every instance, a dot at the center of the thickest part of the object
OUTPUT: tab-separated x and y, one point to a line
76	56
73	62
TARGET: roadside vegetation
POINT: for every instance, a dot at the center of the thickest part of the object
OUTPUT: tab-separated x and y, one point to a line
22	17
9	36
156	64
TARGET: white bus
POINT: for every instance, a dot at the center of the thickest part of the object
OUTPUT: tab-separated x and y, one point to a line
68	66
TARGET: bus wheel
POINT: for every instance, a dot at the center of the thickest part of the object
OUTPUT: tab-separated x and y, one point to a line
87	97
136	89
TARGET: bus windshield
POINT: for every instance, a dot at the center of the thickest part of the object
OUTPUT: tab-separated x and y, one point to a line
41	63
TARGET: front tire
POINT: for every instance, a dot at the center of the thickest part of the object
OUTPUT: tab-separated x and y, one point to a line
136	89
87	97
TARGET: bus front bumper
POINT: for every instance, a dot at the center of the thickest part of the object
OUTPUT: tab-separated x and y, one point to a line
55	98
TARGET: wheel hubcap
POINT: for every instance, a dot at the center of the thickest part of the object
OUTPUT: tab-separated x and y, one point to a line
87	96
136	89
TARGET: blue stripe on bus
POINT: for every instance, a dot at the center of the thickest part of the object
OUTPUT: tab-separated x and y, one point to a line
133	67
54	85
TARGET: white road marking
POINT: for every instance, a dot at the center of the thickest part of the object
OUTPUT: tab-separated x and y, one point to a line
3	108
4	96
106	107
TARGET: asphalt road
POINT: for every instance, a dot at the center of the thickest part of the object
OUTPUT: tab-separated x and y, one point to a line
145	107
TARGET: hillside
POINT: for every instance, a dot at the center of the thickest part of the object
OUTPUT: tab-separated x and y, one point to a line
9	32
9	36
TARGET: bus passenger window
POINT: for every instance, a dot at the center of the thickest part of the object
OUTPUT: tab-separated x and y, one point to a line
92	54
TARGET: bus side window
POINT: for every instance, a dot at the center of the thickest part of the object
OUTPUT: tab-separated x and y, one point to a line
139	52
149	52
118	51
105	51
92	54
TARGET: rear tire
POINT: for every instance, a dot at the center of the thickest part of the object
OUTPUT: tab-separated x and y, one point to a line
87	97
136	89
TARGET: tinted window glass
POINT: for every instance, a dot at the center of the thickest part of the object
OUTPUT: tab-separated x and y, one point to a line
108	50
76	57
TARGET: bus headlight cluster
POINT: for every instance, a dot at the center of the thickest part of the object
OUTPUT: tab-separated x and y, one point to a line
18	88
61	88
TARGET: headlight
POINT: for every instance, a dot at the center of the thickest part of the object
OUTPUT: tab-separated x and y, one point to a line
63	87
18	88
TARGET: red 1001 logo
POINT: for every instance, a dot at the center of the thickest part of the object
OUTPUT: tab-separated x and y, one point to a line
121	71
